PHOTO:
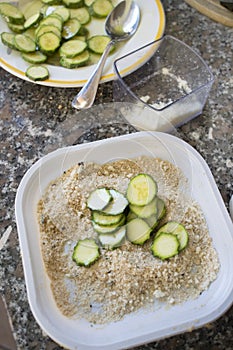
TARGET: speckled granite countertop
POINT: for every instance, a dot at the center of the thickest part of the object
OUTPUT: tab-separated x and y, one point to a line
31	117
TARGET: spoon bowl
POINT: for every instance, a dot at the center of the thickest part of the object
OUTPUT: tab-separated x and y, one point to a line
120	25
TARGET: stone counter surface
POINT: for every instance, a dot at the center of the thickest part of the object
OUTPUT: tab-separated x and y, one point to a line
31	116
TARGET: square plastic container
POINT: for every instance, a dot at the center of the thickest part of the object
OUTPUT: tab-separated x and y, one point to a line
168	90
143	326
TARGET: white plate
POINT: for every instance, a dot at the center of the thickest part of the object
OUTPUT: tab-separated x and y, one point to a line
144	326
151	28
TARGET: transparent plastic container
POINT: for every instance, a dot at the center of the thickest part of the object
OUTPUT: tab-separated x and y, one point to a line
168	90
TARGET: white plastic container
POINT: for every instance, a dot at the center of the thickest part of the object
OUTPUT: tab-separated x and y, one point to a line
143	326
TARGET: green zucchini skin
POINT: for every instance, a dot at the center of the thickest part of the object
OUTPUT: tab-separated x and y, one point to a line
101	8
85	252
141	190
37	73
178	230
165	246
11	13
138	231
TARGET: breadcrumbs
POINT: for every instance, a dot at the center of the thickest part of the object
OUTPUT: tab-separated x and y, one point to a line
130	277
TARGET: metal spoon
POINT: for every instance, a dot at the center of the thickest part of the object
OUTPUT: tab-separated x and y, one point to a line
120	25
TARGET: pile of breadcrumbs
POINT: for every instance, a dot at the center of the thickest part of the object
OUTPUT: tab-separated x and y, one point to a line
130	277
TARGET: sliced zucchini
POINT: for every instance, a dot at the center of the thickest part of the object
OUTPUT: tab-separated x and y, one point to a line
11	13
94	58
101	8
72	48
37	73
51	2
131	216
177	230
24	43
108	229
8	39
71	28
138	231
78	61
145	211
161	208
48	42
86	252
73	3
46	10
165	246
98	43
117	205
83	31
112	240
32	20
63	12
79	37
45	28
34	57
16	28
141	190
31	32
106	220
82	14
53	20
152	221
99	199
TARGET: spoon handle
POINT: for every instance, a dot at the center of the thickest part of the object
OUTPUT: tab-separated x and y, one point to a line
86	96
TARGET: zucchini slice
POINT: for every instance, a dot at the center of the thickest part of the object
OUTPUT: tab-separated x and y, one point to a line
165	246
138	231
8	39
24	43
112	240
34	57
178	230
152	221
72	48
106	220
76	61
98	43
101	8
99	199
131	216
161	208
32	20
117	205
45	28
37	73
86	252
145	211
63	12
51	2
16	28
82	14
11	13
141	190
108	229
73	3
31	32
53	20
71	28
48	42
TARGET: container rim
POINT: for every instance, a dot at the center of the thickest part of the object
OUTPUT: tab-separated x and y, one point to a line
165	36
